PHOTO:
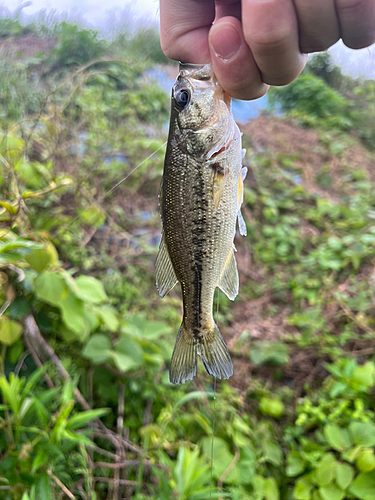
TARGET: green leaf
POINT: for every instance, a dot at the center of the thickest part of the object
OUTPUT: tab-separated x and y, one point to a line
73	313
366	461
97	349
43	488
93	216
326	471
331	492
363	486
363	377
109	317
41	258
10	331
222	457
273	407
51	288
295	464
271	353
339	439
127	355
273	453
363	433
271	489
81	419
10	208
303	487
344	475
90	289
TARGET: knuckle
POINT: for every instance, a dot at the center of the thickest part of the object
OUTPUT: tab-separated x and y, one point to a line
269	41
352	6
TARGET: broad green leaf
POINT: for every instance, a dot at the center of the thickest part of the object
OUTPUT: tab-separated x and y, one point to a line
273	407
73	313
363	376
295	464
331	492
303	488
344	475
90	289
51	288
127	355
273	453
271	489
338	438
19	308
363	486
258	485
272	353
97	349
10	331
154	329
366	461
93	216
363	433
41	258
326	471
109	317
138	326
222	457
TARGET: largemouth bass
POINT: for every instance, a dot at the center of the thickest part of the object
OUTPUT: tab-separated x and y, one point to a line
200	200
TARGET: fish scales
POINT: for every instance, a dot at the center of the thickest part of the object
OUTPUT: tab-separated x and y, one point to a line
200	198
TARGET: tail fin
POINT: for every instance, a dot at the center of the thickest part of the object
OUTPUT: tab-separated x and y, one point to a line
211	347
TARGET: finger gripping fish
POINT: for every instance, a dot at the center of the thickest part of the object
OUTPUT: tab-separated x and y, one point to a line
200	200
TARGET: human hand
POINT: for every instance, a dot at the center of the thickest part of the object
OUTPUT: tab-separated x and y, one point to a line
256	43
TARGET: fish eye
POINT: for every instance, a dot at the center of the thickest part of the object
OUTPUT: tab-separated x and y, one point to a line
182	98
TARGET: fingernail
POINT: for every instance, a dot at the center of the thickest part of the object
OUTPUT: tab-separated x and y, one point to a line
225	40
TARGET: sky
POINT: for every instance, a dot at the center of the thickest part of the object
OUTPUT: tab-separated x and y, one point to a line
93	11
105	14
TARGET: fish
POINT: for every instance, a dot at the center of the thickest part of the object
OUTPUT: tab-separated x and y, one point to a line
200	202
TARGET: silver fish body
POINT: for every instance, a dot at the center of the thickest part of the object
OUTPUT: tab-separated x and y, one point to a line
200	201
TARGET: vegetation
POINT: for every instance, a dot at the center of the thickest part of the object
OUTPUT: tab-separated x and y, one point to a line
86	407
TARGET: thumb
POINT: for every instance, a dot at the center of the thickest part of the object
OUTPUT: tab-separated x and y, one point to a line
233	62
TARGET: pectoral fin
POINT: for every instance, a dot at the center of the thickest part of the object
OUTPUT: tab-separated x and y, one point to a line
218	186
241	222
228	281
166	278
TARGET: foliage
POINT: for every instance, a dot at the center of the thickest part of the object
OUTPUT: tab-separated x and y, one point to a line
77	246
313	102
76	45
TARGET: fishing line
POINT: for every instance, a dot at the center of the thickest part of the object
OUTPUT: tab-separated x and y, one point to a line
214	406
213	435
112	188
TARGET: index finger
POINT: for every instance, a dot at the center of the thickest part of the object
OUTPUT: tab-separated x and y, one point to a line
184	27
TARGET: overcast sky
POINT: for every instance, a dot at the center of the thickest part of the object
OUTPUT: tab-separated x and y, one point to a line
105	14
93	11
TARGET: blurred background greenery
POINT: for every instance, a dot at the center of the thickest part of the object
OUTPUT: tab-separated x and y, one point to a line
86	408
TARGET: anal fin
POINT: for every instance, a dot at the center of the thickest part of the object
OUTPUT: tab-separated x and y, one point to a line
228	281
166	278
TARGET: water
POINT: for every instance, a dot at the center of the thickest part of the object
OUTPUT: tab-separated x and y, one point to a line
243	111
